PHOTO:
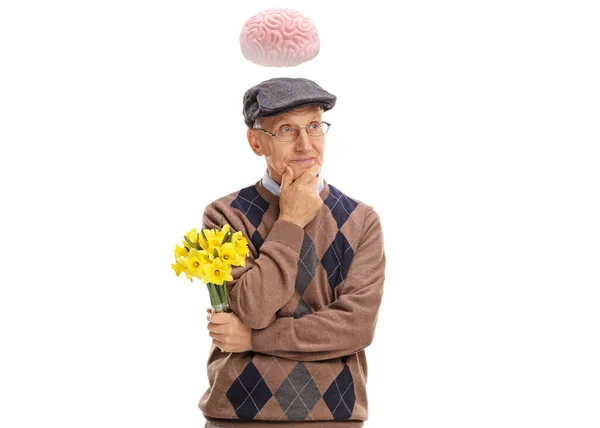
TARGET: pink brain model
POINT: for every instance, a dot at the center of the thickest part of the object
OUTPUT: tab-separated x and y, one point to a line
279	38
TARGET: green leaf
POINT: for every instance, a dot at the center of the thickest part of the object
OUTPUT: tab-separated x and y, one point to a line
204	236
221	222
216	253
226	238
191	243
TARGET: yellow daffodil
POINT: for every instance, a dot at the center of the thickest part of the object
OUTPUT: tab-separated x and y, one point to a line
194	236
180	251
213	240
242	248
195	262
237	236
241	245
205	256
178	267
228	254
224	231
217	272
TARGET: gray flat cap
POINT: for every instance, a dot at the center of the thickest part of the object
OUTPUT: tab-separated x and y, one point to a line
275	96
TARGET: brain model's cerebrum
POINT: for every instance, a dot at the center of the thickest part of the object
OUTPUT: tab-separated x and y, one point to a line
279	38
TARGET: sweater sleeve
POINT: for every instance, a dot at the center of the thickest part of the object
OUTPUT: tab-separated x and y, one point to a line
343	327
266	283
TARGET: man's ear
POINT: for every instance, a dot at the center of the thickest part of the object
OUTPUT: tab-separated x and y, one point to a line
254	141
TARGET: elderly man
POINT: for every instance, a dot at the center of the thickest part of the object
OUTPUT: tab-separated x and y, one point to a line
305	305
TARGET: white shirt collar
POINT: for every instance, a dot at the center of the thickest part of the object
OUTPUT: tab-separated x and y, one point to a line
272	186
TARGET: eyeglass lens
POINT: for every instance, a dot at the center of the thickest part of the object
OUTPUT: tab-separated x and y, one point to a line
315	129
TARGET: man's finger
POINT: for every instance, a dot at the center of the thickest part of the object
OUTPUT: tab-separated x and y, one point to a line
221	318
216	328
216	335
287	178
219	344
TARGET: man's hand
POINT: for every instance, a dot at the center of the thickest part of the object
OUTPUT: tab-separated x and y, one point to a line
299	200
229	332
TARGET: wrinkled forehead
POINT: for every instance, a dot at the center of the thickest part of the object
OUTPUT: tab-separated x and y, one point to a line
298	114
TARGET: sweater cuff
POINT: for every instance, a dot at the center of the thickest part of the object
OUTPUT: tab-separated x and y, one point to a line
265	339
287	233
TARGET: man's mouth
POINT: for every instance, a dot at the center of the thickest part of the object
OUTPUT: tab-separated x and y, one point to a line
303	161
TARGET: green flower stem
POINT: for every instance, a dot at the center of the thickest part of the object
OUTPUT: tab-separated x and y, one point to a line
218	297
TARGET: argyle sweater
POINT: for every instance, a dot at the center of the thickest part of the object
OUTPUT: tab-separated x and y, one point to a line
311	297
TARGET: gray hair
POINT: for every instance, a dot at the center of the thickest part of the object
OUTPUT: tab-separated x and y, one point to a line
256	124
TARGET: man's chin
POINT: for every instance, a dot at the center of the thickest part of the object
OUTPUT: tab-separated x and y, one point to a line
299	171
300	168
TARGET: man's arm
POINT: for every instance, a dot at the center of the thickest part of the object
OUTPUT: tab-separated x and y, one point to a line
345	326
265	284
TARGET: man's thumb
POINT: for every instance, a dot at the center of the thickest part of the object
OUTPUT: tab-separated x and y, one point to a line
287	178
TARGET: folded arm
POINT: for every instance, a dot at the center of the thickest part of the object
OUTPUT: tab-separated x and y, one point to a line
345	326
266	283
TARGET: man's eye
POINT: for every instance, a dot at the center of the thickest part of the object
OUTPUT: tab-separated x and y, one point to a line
286	129
315	125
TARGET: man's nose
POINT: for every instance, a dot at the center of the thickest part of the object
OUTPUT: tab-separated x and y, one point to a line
303	140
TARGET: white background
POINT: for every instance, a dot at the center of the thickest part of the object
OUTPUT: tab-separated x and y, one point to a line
471	127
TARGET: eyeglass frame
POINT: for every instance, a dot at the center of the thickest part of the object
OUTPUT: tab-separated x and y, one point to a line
298	128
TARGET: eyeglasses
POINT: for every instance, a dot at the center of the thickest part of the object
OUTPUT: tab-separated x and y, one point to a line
286	134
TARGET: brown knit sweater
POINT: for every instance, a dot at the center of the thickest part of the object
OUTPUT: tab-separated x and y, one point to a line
312	298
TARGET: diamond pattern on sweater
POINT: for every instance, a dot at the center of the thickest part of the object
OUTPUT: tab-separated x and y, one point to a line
307	265
337	260
340	205
257	240
251	204
340	396
302	309
249	393
298	393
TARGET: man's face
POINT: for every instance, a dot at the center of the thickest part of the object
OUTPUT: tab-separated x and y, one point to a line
280	154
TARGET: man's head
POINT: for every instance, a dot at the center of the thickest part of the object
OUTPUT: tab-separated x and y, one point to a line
284	117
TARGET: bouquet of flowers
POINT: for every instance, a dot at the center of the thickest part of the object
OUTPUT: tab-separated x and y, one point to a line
209	255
